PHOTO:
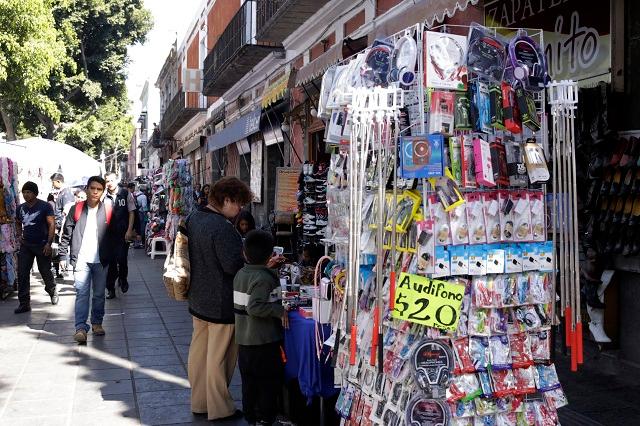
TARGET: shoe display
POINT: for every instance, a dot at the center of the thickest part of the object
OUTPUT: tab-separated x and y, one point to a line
309	201
22	309
320	222
80	336
310	227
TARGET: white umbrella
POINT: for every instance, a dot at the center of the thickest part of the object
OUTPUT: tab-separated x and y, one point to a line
39	158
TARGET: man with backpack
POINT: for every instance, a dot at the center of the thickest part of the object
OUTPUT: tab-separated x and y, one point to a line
124	211
89	239
141	219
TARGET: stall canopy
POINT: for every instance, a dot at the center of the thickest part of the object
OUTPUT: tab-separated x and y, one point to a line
39	158
431	11
244	126
276	90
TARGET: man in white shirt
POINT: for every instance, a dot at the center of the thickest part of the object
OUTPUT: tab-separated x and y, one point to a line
90	241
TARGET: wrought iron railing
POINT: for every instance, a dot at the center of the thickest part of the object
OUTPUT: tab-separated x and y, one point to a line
266	10
173	109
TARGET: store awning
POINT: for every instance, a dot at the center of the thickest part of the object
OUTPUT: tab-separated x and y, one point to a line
191	146
319	65
428	11
276	90
244	126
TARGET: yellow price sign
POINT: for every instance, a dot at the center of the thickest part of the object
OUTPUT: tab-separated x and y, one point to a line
433	303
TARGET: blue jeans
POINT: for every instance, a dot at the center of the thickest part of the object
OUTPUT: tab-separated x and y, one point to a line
89	276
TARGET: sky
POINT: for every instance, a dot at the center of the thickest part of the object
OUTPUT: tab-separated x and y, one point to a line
171	21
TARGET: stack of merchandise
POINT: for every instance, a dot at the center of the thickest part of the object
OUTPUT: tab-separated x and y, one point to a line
180	202
312	198
454	206
8	241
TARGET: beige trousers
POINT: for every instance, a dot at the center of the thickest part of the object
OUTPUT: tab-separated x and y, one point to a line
212	360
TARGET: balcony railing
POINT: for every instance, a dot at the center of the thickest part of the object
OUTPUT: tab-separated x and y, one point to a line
182	108
235	52
277	19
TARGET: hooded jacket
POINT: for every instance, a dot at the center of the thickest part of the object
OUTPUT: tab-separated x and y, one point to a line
73	231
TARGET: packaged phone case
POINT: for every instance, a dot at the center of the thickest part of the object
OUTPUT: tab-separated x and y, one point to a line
479	352
482	161
442	229
538	214
522	289
521	216
546	377
475	218
506	215
443	263
441	112
500	353
425	246
455	159
459	260
491	204
478	260
521	354
459	226
468	163
499	162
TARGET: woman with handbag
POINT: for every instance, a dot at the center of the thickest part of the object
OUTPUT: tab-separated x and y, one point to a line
215	256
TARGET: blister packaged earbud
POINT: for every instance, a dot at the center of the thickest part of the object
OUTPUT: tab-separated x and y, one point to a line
475	218
521	216
442	230
503	382
500	352
479	324
491	204
521	354
479	352
464	362
459	226
499	320
524	380
541	345
441	112
506	216
538	215
425	246
527	318
482	291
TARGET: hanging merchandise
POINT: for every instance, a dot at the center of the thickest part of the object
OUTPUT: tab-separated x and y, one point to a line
527	63
8	239
180	203
443	311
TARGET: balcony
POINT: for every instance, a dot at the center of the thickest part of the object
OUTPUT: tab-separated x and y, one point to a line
156	139
277	19
182	108
235	53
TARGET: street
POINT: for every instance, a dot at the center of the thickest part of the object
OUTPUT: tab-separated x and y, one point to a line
136	374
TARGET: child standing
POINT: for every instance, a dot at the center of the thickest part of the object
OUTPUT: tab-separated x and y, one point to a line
260	318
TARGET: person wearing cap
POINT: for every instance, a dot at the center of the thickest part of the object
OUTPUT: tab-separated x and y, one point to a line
35	231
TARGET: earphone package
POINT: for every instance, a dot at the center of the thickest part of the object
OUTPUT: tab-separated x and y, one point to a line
445	65
442	230
506	215
441	112
475	218
459	225
522	216
536	204
493	228
485	53
426	248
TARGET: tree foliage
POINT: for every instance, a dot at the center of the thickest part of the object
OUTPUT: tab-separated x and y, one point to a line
84	101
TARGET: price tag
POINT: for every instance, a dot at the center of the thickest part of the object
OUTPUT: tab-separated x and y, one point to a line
433	303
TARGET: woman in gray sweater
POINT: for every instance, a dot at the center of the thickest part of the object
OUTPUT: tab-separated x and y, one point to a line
215	254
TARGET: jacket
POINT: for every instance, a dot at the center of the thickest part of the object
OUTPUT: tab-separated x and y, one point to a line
215	256
257	306
72	233
120	218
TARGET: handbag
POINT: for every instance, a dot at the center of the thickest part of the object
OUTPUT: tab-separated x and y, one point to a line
177	269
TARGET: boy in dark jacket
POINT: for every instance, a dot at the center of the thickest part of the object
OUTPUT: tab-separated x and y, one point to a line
260	318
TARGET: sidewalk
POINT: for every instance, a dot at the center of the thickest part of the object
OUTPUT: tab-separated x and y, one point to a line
136	374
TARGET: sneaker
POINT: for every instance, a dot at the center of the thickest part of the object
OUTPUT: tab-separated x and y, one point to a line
309	179
308	217
80	336
22	309
309	200
321	188
111	294
54	297
321	222
98	330
321	232
310	227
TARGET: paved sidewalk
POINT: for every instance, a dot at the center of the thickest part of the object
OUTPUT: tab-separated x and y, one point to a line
136	374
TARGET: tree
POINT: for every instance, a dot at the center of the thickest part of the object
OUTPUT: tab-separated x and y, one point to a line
30	54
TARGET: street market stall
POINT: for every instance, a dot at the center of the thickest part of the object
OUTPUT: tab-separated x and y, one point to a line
8	240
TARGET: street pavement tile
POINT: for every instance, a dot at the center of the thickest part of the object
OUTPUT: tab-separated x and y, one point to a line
107	387
151	385
182	340
21	409
167	415
48	375
152	360
110	374
147	334
145	327
128	418
93	403
164	398
106	363
160	372
101	343
43	390
40	421
156	341
152	350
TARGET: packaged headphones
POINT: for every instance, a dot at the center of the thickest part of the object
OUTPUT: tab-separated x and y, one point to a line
445	60
526	62
486	53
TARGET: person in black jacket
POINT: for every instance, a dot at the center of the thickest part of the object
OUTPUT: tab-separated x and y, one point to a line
124	211
89	239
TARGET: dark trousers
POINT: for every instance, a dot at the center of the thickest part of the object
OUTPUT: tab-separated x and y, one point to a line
119	267
26	255
262	371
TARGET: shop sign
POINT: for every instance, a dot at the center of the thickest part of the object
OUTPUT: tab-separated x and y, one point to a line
577	33
433	303
286	189
244	126
256	171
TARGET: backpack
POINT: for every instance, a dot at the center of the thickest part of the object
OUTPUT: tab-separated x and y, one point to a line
80	205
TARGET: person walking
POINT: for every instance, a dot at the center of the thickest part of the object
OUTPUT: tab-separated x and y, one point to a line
64	198
124	208
260	318
35	231
215	256
141	205
88	238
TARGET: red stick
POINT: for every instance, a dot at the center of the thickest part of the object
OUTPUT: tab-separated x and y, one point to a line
574	351
374	337
352	355
392	291
567	325
579	342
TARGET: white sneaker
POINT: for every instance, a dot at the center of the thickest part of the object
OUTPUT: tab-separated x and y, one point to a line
308	216
310	227
321	222
309	200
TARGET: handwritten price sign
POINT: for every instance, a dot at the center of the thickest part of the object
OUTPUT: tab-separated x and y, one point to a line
433	303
